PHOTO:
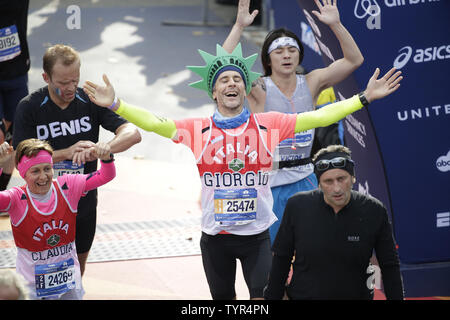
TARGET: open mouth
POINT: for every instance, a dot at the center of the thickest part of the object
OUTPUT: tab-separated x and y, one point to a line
42	184
231	94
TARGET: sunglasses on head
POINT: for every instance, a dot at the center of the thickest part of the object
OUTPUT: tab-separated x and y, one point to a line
339	162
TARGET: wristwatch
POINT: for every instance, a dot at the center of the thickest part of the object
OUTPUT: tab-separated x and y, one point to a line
363	99
111	158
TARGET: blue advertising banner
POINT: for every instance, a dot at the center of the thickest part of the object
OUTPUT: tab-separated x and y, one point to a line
401	144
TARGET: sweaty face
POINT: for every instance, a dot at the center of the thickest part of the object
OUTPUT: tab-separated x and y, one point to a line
284	60
63	81
39	178
229	93
336	185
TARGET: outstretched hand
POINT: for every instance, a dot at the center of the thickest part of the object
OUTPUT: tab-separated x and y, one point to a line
244	17
329	13
100	95
380	88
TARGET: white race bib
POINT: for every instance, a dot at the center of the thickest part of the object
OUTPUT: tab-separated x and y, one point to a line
301	139
67	167
9	43
55	278
235	207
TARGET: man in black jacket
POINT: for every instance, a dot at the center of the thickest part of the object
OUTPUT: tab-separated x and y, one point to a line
332	232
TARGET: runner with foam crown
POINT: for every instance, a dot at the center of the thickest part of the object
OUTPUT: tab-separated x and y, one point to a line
233	150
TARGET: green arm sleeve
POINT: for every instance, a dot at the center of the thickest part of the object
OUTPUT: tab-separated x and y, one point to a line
146	120
327	115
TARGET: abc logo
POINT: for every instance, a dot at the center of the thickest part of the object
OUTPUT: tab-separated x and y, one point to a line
443	163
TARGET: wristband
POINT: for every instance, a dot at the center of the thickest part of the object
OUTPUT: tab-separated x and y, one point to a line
111	158
111	107
363	99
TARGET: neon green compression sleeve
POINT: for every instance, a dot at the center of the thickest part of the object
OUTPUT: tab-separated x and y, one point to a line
146	120
327	115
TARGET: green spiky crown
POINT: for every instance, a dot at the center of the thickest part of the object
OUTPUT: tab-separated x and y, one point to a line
222	59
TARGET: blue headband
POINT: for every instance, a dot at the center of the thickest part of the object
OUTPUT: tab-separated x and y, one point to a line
229	68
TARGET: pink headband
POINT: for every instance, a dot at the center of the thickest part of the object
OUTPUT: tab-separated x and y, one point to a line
26	162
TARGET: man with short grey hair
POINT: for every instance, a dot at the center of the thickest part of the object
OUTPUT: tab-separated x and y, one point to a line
332	232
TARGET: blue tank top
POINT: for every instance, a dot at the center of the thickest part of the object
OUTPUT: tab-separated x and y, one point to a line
300	146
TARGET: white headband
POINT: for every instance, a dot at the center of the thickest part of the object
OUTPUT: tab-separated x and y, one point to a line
282	42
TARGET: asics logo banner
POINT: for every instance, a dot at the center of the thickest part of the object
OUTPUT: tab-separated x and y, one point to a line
421	55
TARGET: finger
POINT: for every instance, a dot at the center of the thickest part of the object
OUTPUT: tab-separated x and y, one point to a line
89	94
88	89
91	97
85	144
106	80
375	74
75	158
254	13
90	84
92	154
244	4
397	81
394	77
318	4
83	157
394	88
389	74
78	150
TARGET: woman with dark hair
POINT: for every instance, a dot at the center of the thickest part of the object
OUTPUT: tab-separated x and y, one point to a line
282	89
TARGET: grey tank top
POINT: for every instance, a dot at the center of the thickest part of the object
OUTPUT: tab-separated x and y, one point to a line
298	147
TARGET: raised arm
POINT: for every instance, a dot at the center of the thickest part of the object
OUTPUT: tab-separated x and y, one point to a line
376	89
104	96
340	69
243	19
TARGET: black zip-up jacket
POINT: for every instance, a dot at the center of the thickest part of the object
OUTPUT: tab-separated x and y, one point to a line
332	251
